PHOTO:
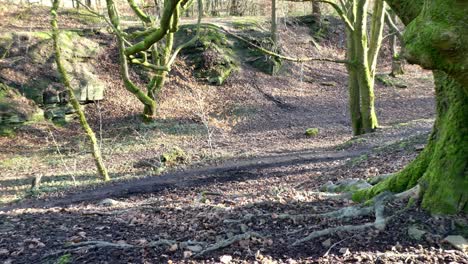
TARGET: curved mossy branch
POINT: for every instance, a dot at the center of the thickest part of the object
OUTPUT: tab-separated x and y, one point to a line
76	105
129	85
116	30
157	34
139	13
191	41
279	56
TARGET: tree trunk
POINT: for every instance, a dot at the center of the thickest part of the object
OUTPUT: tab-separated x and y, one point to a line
317	13
76	106
363	54
397	62
274	24
441	169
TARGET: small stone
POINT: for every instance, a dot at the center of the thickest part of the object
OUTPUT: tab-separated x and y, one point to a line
415	233
108	202
458	242
4	251
187	254
225	259
173	248
82	234
326	243
344	251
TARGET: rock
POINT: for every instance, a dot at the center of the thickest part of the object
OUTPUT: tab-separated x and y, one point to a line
458	242
225	259
415	233
173	248
36	73
326	243
4	251
175	156
109	202
312	132
344	251
212	54
187	254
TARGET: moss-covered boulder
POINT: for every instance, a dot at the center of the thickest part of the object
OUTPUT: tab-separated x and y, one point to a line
212	54
29	67
15	110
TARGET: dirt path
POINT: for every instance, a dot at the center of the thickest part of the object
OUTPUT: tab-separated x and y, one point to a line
228	171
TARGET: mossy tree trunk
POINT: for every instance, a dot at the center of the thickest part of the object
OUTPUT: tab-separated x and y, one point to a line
162	56
437	38
362	50
76	106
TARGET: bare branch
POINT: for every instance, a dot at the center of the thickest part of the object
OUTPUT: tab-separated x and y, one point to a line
271	53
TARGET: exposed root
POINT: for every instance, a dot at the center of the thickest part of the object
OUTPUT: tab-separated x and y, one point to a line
378	207
328	231
228	242
98	243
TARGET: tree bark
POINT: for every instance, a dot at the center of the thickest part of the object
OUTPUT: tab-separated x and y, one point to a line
362	50
397	62
317	13
76	106
274	23
442	168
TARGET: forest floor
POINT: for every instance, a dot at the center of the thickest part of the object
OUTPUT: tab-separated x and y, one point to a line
240	195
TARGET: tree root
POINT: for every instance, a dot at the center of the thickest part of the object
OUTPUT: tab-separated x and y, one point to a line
99	243
228	242
378	208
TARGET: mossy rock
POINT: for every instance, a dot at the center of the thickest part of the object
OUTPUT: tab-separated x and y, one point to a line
32	70
15	110
312	132
389	81
212	54
174	157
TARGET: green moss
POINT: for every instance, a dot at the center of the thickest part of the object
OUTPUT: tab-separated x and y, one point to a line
212	54
175	156
312	132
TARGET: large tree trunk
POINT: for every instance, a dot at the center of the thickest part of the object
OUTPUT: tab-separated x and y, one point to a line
439	43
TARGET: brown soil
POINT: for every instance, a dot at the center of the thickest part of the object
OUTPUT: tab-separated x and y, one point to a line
261	166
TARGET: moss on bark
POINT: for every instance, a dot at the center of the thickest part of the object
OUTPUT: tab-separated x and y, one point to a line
442	168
